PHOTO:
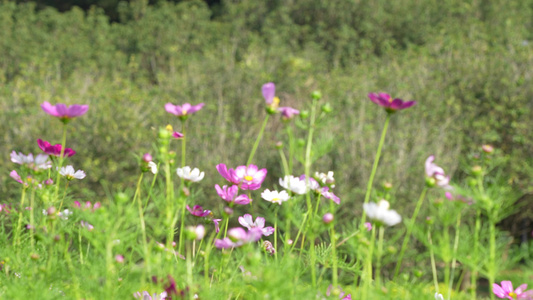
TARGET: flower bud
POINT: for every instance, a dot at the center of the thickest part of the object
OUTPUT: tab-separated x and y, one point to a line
387	186
488	149
430	182
147	157
268	247
300	142
392	250
304	114
195	232
316	95
119	258
279	145
51	212
271	110
418	273
34	256
472	182
429	221
326	108
164	133
228	211
121	197
328	218
476	170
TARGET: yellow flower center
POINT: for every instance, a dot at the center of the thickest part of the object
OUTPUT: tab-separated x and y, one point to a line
513	295
276	200
248	178
169	128
183	111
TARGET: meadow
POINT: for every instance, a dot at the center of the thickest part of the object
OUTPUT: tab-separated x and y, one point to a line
350	193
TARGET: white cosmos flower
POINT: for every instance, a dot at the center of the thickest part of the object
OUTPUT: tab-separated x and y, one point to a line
326	178
153	167
438	296
275	196
294	184
381	213
70	174
40	161
191	175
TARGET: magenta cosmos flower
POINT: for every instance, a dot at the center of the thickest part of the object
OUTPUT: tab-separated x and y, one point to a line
506	291
288	112
63	112
183	110
229	194
390	105
198	211
238	237
247	178
248	222
54	150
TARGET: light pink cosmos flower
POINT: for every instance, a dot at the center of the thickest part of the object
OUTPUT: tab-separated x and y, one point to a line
63	112
54	150
391	105
288	112
217	224
13	174
436	172
269	92
247	221
70	174
198	211
238	237
341	293
506	291
40	162
146	296
183	110
324	191
247	178
229	194
87	206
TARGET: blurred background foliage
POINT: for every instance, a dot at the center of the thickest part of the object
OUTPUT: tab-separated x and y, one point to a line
467	63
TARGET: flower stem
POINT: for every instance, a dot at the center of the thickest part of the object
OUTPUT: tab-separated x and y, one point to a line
32	221
291	148
368	264
379	254
182	223
16	239
256	144
454	257
333	239
143	229
410	227
276	233
375	166
64	195
183	144
492	254
284	163
61	158
189	266
433	265
473	279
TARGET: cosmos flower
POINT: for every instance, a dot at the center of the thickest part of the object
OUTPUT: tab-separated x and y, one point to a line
294	184
326	179
437	173
70	174
146	296
391	105
247	221
54	150
505	291
63	112
183	110
198	211
247	178
229	194
275	196
380	213
40	162
193	175
238	237
288	112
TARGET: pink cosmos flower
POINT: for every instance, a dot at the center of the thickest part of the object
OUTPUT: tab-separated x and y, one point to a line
183	110
247	221
217	224
269	92
86	225
288	112
390	105
247	178
506	291
437	173
198	211
324	191
341	293
229	194
63	112
238	237
54	150
368	226
13	174
87	206
177	135
40	162
146	296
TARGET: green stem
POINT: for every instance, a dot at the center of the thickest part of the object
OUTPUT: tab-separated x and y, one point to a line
446	256
333	239
183	144
379	254
375	166
143	229
410	227
80	245
189	267
182	224
61	158
454	257
291	148
16	239
433	265
473	279
64	195
169	205
256	144
368	264
284	162
492	254
276	233
32	221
